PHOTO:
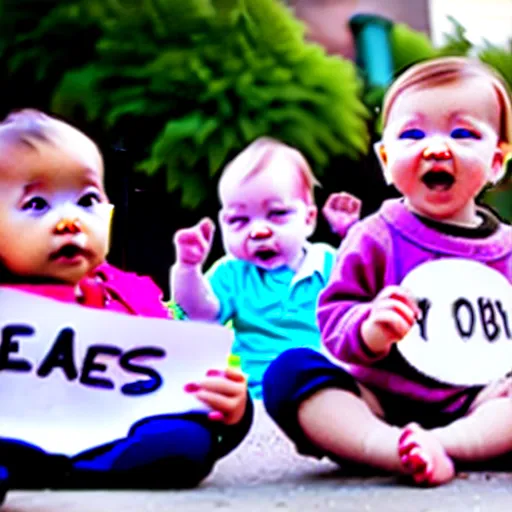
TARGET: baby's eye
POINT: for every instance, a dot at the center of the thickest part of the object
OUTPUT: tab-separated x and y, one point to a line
239	220
464	133
278	213
89	199
36	204
412	133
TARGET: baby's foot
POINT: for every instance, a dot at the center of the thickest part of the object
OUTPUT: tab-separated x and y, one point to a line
423	457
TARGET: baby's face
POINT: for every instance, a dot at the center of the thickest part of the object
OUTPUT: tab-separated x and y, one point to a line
54	214
441	146
265	219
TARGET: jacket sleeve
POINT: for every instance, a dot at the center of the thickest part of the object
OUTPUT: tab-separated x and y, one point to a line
359	274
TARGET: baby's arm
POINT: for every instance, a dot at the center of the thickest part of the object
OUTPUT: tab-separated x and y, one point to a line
189	287
360	315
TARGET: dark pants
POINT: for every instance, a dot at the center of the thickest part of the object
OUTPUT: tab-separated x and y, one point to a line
293	377
160	452
299	373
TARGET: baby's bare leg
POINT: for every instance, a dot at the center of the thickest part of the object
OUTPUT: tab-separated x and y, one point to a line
485	433
343	424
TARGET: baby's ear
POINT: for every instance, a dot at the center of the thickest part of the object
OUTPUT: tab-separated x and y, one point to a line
311	217
501	156
380	151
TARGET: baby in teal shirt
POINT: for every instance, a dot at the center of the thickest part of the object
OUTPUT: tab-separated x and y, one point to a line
268	282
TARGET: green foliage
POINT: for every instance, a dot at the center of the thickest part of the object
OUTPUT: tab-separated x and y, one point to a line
500	59
457	44
409	46
194	82
40	40
500	197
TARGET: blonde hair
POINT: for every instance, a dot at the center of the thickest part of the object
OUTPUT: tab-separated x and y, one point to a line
446	69
35	129
255	157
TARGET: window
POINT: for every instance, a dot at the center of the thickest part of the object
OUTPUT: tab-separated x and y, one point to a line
489	20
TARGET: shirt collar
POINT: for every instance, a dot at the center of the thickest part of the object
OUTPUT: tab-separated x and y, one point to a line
314	261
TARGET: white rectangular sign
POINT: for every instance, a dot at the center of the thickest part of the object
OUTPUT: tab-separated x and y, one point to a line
72	378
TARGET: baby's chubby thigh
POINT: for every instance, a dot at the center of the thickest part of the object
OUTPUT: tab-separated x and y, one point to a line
500	388
371	400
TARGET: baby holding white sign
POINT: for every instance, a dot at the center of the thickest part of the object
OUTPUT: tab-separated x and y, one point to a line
447	129
54	232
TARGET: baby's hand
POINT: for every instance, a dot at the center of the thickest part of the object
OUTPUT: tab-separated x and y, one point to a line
193	244
225	392
392	316
341	210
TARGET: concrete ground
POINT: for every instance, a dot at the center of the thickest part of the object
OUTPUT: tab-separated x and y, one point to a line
264	474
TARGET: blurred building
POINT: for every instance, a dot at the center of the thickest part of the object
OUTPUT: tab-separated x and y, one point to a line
489	20
327	20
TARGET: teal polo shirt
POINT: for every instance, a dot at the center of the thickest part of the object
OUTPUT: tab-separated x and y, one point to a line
271	310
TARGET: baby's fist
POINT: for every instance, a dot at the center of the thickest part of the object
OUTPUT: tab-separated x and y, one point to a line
225	392
341	210
393	314
193	244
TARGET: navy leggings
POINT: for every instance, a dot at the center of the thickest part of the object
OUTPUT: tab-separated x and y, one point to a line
160	452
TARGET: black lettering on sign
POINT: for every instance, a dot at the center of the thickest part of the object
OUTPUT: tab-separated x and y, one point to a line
424	305
61	356
90	365
504	318
9	346
465	330
488	318
146	386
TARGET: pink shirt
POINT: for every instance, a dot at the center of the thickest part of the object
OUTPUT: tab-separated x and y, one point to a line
107	288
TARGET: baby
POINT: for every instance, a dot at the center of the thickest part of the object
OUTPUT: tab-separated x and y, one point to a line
268	283
447	128
54	232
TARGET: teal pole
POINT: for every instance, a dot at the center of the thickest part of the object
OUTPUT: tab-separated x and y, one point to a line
374	55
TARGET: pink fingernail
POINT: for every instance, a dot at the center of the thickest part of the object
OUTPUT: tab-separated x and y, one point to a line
214	373
191	387
215	416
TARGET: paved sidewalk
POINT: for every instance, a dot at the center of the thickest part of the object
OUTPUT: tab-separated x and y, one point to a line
266	474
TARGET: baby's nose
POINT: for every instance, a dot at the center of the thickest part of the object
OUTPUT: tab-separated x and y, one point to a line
437	150
260	233
68	226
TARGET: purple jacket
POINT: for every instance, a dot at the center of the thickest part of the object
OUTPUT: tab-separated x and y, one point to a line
380	251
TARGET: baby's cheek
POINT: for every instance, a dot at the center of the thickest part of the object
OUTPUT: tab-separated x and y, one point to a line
22	260
234	245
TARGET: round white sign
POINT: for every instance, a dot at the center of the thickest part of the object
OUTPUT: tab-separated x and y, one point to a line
464	334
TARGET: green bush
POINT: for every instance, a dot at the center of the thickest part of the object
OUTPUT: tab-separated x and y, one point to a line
192	83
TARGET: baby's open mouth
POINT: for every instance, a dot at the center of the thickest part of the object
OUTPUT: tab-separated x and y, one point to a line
68	252
438	180
265	254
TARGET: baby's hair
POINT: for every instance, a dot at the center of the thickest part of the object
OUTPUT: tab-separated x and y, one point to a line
255	157
34	129
447	69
